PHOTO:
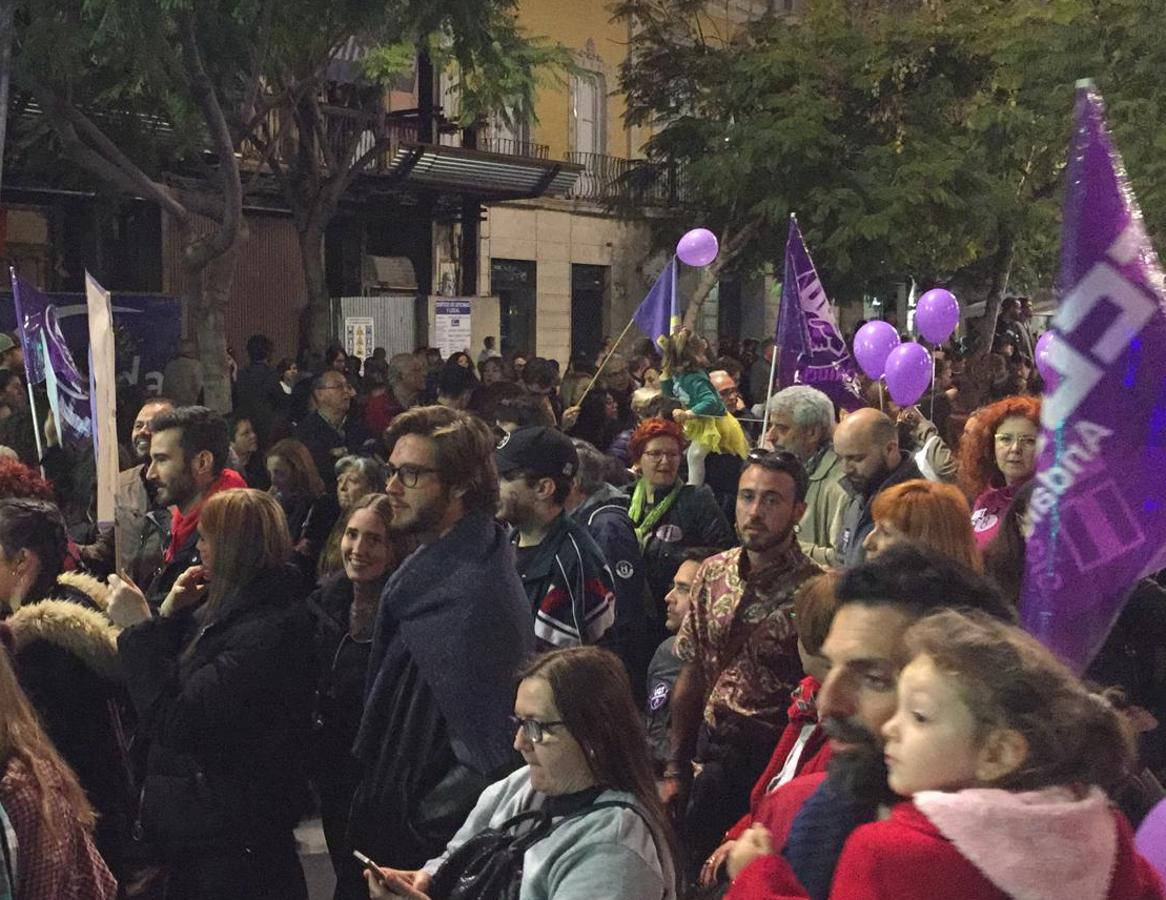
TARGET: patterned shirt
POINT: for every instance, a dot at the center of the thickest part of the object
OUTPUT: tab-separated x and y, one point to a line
749	693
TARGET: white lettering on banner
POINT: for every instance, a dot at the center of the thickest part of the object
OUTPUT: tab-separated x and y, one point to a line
1083	448
1079	375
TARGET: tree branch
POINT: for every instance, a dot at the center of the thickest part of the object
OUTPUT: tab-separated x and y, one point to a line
205	98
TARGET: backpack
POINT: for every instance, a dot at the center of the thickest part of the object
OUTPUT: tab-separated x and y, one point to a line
489	865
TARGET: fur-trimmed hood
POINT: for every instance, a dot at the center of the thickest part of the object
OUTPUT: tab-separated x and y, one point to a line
72	618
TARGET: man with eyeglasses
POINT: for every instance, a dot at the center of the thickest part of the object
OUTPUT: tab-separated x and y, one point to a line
739	653
454	625
867	442
567	580
327	431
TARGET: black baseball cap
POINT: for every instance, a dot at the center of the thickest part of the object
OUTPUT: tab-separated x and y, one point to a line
540	451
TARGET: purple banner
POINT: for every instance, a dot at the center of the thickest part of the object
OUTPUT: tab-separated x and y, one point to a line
812	350
47	358
1098	512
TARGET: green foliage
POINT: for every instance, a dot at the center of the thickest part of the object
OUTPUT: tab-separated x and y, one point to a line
910	138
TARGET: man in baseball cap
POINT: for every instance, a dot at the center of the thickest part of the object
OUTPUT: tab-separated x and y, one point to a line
563	570
11	356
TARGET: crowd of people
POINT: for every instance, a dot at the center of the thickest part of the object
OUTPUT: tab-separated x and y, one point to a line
511	631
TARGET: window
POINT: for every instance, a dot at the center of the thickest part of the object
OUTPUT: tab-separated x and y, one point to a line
588	111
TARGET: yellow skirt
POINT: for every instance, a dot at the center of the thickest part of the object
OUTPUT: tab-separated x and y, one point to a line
721	434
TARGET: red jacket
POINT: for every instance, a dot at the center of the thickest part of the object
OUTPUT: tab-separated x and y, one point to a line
814	757
771	877
907	858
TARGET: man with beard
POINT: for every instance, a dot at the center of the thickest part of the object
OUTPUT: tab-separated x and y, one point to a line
453	628
188	455
867	442
567	580
799	829
739	653
141	523
801	420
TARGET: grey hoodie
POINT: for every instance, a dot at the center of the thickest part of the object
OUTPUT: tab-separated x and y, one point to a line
609	854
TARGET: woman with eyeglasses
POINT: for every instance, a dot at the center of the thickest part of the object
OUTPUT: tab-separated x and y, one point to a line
668	514
997	457
584	806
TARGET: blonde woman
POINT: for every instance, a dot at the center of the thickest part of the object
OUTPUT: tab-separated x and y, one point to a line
222	680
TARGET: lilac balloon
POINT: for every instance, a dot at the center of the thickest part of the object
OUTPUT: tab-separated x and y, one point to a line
908	373
1044	360
1151	838
937	314
872	344
697	248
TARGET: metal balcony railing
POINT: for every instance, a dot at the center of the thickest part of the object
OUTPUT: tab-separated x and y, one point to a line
614	181
512	147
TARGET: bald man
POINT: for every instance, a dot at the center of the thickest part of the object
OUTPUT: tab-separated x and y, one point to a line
867	443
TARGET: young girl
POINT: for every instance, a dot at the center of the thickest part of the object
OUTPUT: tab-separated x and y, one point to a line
707	423
1006	757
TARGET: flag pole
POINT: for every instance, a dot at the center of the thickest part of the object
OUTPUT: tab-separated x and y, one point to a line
768	394
606	359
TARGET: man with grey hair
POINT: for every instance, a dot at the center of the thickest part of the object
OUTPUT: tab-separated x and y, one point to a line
603	510
801	422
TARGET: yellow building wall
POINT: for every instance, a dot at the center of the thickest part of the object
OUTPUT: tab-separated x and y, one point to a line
585	29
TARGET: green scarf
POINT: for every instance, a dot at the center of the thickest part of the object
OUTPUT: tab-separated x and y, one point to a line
657	512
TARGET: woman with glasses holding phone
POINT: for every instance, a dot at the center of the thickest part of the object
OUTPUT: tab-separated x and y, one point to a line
669	515
997	458
584	806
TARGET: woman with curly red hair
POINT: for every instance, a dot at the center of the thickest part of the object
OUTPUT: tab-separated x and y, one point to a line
997	457
668	514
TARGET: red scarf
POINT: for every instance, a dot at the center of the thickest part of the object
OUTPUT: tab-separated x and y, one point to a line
183	526
804	708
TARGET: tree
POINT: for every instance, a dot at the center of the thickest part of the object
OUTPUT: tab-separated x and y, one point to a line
314	164
910	138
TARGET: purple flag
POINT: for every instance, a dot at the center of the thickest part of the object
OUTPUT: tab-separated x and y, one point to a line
47	358
658	313
812	350
1098	510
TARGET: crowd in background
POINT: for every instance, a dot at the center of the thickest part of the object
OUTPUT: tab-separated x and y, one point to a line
478	610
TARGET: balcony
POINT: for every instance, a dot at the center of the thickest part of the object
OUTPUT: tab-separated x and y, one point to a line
616	182
512	147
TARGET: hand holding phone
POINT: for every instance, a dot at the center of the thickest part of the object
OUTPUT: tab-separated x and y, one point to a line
389	879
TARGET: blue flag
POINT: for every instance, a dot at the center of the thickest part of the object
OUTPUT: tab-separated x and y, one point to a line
659	314
812	350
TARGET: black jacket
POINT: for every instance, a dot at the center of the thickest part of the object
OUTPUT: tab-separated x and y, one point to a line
695	520
857	521
327	445
167	572
228	725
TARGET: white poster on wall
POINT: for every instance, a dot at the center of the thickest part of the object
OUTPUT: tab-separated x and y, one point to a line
453	326
358	336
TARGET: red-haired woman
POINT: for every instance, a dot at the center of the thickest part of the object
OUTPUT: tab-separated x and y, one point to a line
997	457
668	514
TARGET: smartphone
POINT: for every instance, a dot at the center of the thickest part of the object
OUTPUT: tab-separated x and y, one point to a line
372	867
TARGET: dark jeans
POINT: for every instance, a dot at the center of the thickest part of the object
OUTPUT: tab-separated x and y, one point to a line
272	872
720	794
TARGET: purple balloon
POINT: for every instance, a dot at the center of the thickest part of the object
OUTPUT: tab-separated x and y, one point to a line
1044	360
937	314
1151	838
908	373
872	344
697	248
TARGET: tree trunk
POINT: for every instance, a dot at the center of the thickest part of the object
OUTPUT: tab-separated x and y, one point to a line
319	318
209	292
978	368
704	287
7	8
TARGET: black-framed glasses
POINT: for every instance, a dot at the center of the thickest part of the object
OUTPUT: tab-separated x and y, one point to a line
408	473
532	729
